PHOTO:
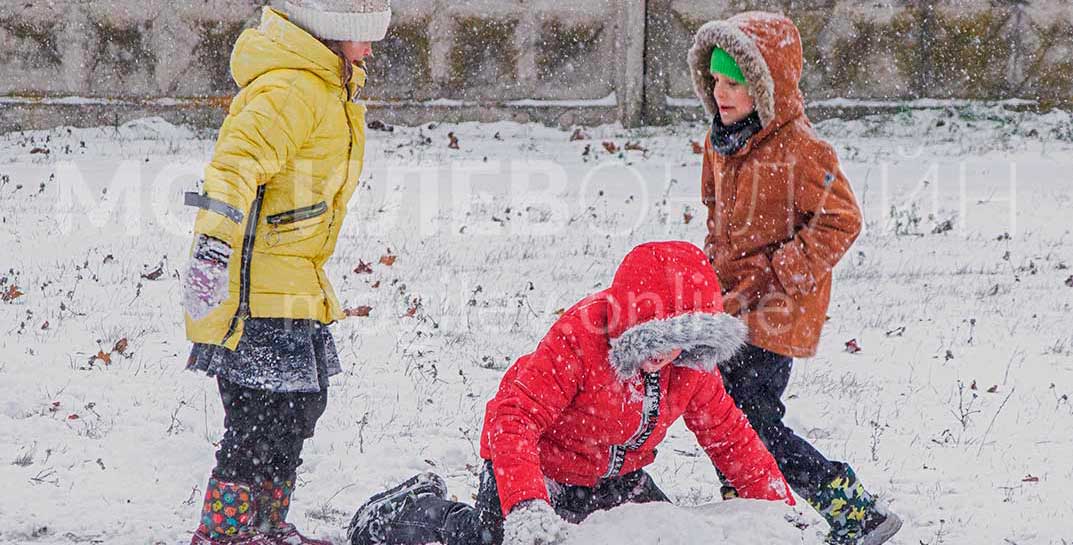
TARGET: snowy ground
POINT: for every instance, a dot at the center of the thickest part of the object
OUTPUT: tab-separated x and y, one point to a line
959	294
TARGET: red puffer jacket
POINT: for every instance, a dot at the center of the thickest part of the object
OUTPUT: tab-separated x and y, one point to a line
579	408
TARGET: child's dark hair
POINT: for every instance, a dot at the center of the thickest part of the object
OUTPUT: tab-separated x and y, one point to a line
348	70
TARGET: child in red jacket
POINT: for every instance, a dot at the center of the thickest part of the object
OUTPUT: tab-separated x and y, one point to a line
575	422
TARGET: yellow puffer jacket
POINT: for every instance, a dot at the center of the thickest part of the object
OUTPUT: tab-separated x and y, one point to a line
285	165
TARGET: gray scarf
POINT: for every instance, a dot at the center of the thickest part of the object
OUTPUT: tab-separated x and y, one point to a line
728	139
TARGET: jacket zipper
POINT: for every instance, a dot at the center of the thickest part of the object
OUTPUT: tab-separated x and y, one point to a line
649	419
730	197
250	237
346	177
298	214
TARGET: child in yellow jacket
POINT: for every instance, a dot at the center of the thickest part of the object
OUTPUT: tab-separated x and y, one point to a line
256	297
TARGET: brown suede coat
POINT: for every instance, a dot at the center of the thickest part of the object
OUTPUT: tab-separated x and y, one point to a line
781	212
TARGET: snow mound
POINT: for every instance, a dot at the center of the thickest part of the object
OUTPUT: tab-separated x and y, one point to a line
738	522
154	128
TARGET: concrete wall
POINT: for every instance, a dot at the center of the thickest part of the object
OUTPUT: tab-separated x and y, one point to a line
554	61
894	49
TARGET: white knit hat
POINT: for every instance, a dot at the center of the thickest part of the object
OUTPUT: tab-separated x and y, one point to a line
346	20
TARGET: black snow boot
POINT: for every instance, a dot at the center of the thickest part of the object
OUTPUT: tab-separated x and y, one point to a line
372	523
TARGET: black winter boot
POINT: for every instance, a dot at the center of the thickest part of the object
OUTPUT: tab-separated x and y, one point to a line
372	523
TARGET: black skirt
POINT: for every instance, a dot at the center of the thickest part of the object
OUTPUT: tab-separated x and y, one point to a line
274	354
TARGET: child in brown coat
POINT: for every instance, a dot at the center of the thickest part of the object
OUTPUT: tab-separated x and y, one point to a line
780	216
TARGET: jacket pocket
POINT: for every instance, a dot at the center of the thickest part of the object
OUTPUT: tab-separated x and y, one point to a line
792	270
295	226
751	280
298	214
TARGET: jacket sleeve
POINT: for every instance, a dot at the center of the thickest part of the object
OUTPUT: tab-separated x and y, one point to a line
733	446
822	194
530	400
260	137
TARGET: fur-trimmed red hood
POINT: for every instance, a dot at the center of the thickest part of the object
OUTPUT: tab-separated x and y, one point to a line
666	296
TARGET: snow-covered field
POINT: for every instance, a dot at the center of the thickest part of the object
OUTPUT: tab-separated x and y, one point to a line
959	294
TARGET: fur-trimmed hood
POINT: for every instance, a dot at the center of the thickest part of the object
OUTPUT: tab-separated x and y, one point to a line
666	296
767	47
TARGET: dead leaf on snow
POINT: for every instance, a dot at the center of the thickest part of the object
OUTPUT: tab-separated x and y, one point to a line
852	346
363	268
414	305
11	293
155	274
359	312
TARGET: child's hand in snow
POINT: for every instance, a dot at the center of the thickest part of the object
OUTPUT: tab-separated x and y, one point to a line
534	522
205	282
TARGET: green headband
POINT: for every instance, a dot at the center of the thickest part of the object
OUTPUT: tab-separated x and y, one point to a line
723	63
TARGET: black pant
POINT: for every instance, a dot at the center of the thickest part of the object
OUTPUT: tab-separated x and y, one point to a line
435	520
756	379
264	432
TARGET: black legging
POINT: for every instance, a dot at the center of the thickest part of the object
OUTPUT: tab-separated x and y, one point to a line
756	379
435	520
264	432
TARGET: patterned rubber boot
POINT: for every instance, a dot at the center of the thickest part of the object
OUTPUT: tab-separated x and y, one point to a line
852	513
227	516
372	523
273	503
